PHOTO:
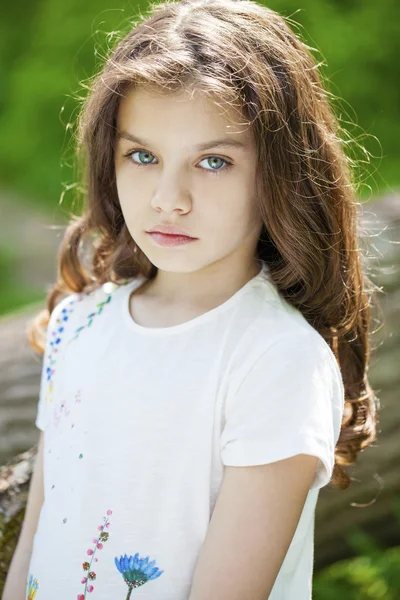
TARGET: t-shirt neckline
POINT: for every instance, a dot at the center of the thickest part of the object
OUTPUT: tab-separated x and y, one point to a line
196	321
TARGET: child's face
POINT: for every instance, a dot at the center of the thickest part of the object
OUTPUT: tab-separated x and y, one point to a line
179	184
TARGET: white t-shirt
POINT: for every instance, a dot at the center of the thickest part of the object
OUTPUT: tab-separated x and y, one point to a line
139	423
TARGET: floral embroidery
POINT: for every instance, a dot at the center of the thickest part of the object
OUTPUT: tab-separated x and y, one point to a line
33	586
91	575
58	413
109	288
64	409
54	345
136	571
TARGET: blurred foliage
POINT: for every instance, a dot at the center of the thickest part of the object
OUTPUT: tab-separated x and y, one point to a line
47	47
14	293
372	575
362	578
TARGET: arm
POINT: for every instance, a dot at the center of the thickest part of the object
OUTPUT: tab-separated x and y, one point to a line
15	586
253	522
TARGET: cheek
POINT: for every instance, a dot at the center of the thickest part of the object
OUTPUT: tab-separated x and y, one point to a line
129	193
228	217
236	205
129	208
131	184
121	184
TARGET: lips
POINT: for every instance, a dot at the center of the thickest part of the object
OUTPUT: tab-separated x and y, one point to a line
164	239
172	235
170	230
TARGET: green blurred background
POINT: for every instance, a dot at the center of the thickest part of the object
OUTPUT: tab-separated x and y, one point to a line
48	47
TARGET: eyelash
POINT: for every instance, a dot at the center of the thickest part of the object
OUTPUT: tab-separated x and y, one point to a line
211	171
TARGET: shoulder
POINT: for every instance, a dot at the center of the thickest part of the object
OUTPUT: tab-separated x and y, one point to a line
85	302
280	338
59	323
77	311
281	326
63	309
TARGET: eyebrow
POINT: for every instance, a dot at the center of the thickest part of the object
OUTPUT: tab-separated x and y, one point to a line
206	146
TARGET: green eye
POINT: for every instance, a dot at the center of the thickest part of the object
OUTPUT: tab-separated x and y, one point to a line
140	152
215	158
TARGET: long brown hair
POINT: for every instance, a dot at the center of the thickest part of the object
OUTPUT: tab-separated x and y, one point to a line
245	55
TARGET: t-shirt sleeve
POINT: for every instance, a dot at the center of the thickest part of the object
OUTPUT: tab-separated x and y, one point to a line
288	401
55	340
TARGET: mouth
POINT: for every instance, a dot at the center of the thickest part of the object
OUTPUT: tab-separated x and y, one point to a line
171	231
168	239
173	234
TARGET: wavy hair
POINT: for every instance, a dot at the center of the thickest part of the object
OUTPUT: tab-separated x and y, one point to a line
241	54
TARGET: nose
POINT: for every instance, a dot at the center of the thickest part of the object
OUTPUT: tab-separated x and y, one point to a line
172	193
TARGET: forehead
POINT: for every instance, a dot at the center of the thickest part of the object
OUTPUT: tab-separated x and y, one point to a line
141	109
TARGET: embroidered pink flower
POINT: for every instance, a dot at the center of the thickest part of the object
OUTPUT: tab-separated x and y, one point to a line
91	575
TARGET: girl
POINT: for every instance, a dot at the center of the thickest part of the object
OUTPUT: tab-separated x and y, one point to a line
205	374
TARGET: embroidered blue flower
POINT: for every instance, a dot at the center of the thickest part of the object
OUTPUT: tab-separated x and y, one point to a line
136	571
33	586
55	339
